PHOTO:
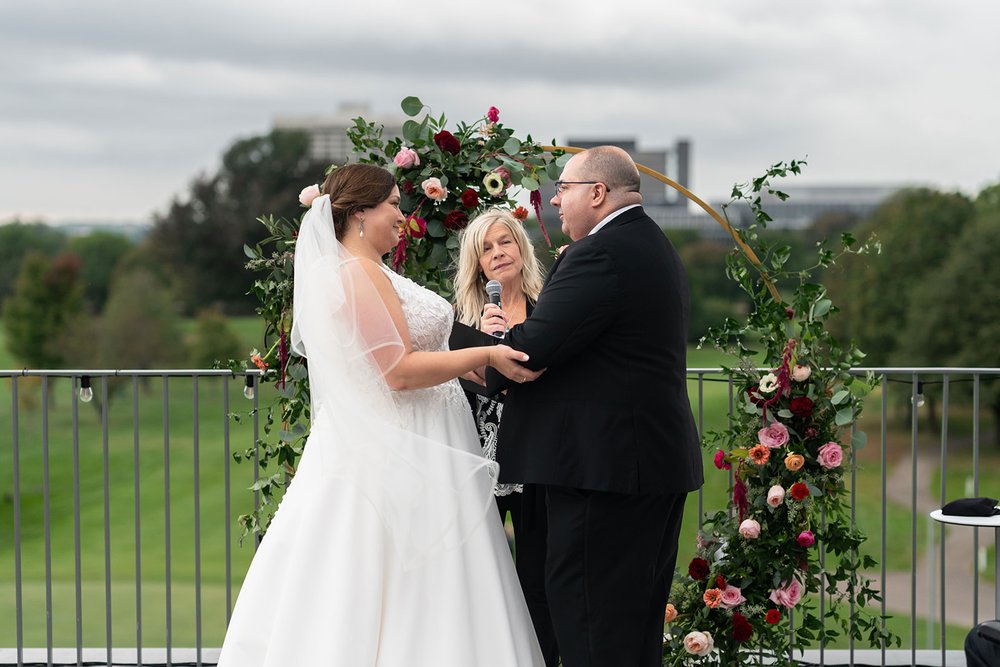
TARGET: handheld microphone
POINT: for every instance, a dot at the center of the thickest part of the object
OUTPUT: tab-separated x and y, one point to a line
493	290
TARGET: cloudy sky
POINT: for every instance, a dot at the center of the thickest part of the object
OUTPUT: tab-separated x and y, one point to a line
108	108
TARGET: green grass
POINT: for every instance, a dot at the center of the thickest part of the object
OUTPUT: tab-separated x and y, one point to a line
213	517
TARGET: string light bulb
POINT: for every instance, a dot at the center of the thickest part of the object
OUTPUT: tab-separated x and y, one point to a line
919	400
249	390
86	392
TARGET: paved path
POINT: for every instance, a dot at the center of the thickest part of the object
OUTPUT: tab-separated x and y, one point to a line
959	555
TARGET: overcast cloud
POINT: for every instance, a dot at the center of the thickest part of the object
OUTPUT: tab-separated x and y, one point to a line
109	108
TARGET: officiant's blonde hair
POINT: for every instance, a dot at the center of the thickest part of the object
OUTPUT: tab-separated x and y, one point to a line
470	283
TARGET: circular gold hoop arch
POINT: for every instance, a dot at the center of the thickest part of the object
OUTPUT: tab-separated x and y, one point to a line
744	248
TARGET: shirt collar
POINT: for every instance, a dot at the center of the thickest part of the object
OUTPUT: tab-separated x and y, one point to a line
610	217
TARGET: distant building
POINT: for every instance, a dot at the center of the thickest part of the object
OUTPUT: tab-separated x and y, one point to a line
807	203
328	132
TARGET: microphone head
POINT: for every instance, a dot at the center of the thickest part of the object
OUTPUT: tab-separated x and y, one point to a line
493	288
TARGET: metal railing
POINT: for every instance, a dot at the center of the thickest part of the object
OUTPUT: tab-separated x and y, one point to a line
113	524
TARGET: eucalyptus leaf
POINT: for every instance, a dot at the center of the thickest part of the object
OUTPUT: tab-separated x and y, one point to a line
411	105
249	252
844	416
563	159
822	307
785	412
512	146
411	131
528	183
840	396
435	228
858	440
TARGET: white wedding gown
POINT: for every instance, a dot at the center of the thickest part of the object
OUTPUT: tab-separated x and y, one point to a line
327	587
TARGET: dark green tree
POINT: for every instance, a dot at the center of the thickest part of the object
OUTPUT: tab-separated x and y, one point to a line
199	241
100	253
213	340
954	315
917	229
47	300
17	241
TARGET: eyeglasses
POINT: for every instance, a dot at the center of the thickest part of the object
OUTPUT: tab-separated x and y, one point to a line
561	185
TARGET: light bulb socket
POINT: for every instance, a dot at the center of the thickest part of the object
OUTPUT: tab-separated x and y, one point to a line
249	389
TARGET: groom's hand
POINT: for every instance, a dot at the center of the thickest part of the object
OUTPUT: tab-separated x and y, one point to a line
508	362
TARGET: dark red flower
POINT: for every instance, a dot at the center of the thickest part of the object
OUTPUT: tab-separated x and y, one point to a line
742	630
456	220
801	406
535	199
698	569
447	142
493	115
720	582
773	616
470	199
811	433
799	491
789	313
740	498
408	187
399	254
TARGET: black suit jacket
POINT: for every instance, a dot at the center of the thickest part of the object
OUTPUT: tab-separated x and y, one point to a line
611	412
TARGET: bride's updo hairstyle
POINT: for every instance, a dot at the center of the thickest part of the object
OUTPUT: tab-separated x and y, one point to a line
355	187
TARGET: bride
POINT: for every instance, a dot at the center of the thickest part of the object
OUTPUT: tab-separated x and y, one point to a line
384	550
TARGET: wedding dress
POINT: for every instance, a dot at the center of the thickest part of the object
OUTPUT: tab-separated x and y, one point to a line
385	549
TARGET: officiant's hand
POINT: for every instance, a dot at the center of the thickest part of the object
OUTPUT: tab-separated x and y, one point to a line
493	320
508	361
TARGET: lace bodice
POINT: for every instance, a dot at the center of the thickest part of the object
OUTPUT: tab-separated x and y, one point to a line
429	319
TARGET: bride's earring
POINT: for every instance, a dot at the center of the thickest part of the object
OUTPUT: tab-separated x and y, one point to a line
362	227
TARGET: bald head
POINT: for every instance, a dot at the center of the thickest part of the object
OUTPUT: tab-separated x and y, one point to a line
615	168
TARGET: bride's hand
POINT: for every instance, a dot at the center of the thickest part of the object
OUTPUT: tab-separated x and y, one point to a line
508	361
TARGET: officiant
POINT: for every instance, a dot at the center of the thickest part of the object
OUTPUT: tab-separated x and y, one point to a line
495	246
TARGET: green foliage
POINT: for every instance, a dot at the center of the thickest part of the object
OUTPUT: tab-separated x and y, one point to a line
100	253
213	340
200	238
918	229
806	398
17	241
47	300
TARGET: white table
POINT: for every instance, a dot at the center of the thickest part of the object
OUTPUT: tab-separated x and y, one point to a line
979	522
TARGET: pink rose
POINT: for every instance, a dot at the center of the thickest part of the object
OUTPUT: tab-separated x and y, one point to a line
406	157
773	435
830	455
750	529
731	597
504	174
801	373
307	195
720	461
775	495
698	643
806	538
493	115
434	190
788	594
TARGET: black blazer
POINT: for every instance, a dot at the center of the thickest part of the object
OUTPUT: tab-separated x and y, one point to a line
611	412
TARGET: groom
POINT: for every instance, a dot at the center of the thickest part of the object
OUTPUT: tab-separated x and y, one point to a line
606	432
